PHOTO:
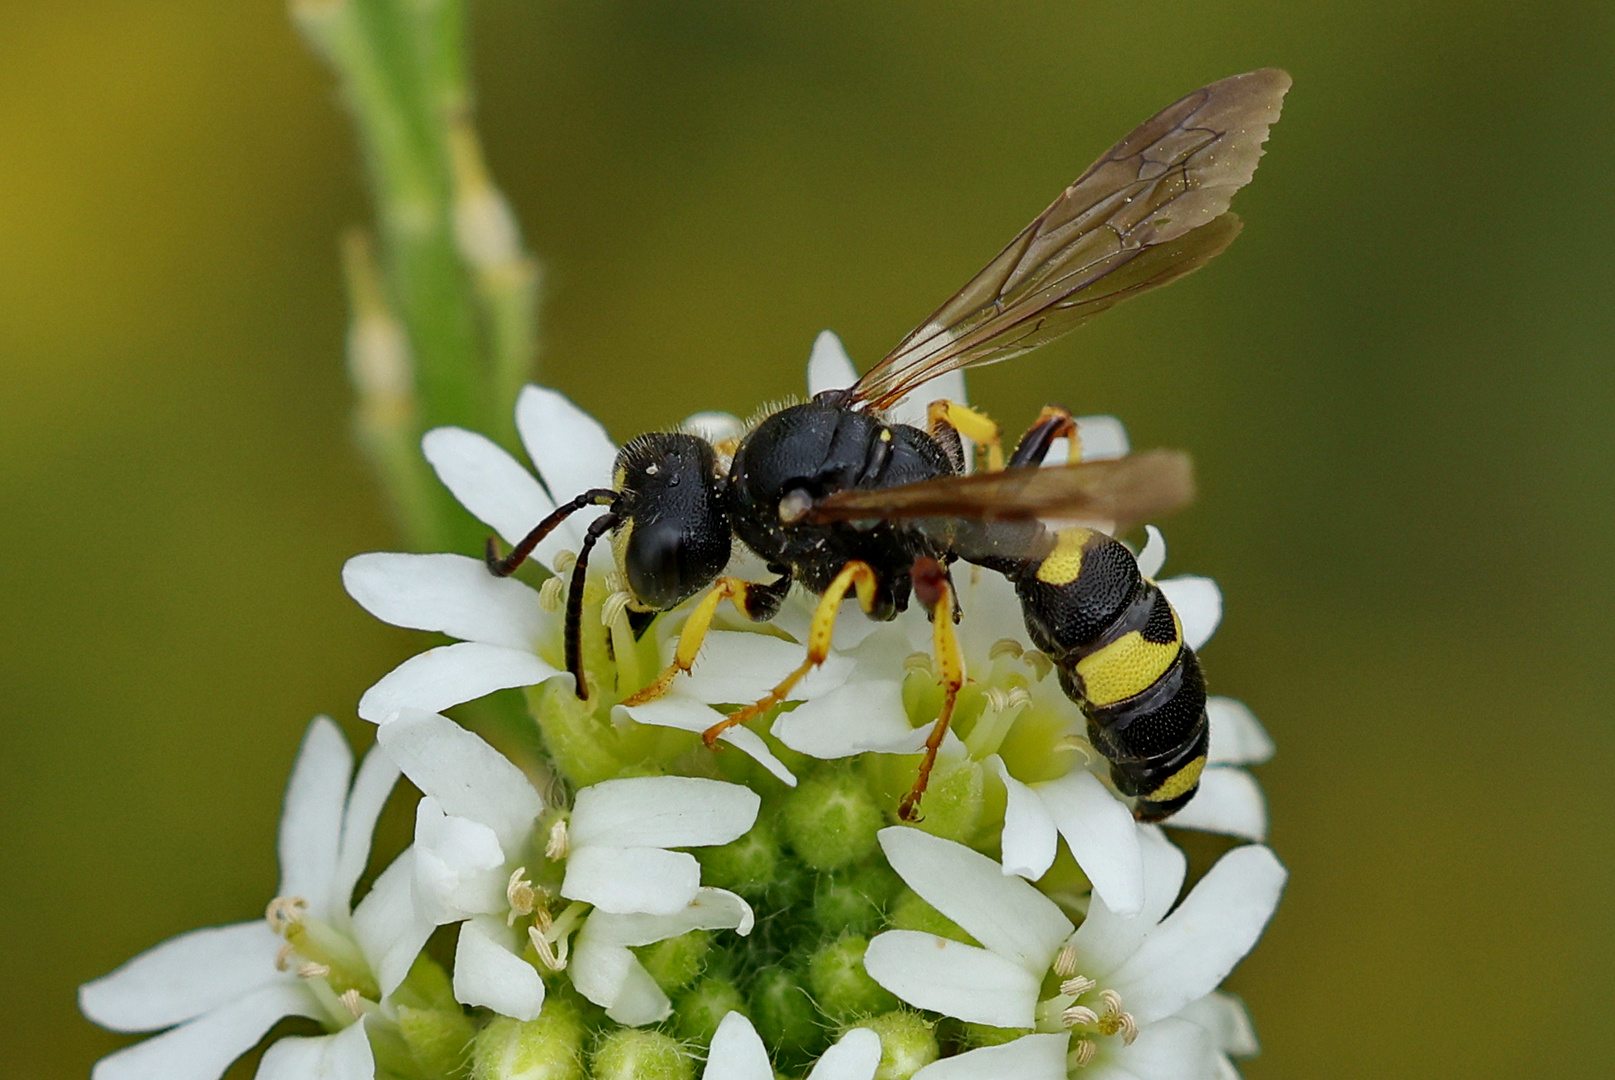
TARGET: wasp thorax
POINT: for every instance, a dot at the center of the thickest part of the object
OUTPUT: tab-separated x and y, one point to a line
794	506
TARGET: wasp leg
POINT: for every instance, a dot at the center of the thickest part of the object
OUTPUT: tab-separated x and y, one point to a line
933	587
1052	423
756	601
853	575
972	425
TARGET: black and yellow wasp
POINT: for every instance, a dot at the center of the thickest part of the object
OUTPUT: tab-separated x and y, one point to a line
834	496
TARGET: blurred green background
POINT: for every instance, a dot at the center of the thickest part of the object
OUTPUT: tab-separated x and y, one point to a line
1397	384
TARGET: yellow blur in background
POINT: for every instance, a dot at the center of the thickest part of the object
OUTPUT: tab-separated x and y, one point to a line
1397	385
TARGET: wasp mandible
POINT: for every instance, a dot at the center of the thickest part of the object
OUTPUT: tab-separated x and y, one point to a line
837	498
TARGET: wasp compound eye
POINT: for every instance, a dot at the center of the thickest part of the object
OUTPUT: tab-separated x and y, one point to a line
794	506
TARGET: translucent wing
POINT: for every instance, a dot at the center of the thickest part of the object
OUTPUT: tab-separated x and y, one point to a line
1148	212
1126	490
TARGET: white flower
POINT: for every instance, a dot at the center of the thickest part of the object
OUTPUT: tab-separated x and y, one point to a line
481	842
737	1053
219	990
1133	990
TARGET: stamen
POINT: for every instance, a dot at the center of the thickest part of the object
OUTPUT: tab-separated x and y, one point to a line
1079	744
1082	1054
1112	1000
615	581
918	661
353	1002
1079	1016
552	595
557	847
546	952
1115	1021
284	912
310	970
522	896
283	957
564	561
1040	664
1005	648
1077	986
1065	965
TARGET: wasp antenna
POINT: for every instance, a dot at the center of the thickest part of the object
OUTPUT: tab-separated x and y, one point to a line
505	567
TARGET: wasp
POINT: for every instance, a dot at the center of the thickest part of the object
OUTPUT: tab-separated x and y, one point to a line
836	497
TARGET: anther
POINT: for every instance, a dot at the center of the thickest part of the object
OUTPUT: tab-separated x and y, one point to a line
918	661
1076	986
1065	964
310	970
564	561
613	608
1005	648
1082	1054
521	895
546	951
557	847
1112	1000
997	699
353	1003
551	595
615	581
1079	744
284	912
1079	1016
283	956
1040	664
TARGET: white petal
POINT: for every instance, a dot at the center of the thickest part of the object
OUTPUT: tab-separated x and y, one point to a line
488	972
448	675
371	788
1031	1057
452	594
855	1057
829	366
1102	835
1199	943
911	410
948	977
1103	438
1153	557
738	667
1237	737
1198	603
632	880
713	426
676	711
184	977
1004	913
1229	801
611	976
1106	939
343	1056
1029	840
1170	1049
854	717
1225	1016
737	1052
311	819
712	909
458	865
572	451
488	482
390	928
662	811
201	1049
467	776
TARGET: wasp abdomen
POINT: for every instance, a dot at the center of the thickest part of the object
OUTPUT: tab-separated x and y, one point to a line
1120	653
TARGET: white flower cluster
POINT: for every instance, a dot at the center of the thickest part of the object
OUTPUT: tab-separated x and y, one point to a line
1021	968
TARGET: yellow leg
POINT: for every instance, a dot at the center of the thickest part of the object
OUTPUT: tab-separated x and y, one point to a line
691	637
820	631
972	425
932	587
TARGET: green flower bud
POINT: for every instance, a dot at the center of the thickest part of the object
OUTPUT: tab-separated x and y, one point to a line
907	1043
678	961
748	865
548	1048
841	987
698	1011
853	900
633	1054
910	912
831	819
782	1011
